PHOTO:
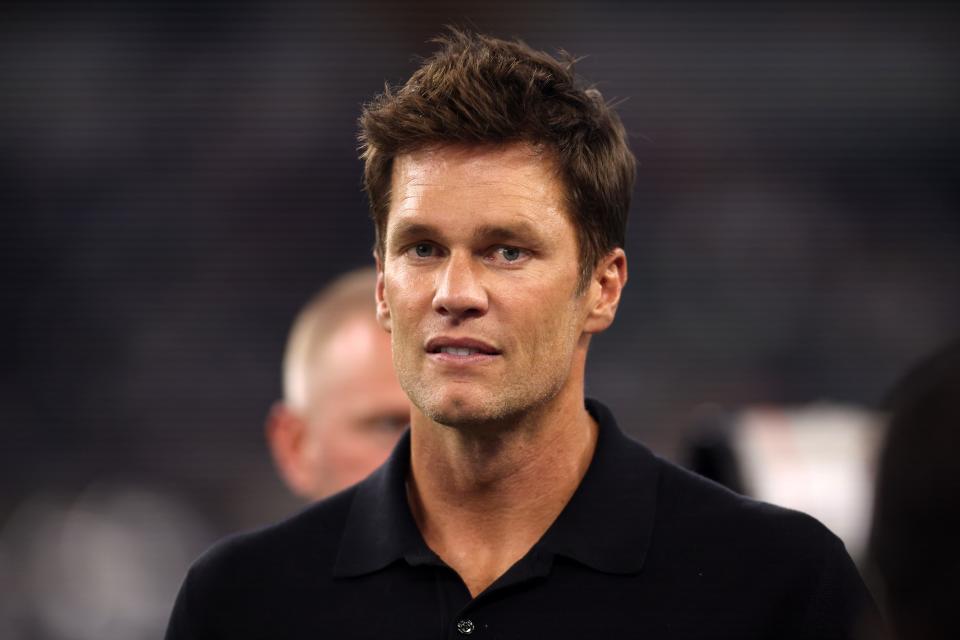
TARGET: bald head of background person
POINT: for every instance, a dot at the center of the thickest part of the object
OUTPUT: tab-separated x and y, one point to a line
342	409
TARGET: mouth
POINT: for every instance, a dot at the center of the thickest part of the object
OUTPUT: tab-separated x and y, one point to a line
461	349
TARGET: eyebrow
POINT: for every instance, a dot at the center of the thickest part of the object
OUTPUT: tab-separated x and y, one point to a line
519	231
408	230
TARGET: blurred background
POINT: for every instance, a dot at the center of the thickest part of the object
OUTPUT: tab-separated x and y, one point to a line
177	179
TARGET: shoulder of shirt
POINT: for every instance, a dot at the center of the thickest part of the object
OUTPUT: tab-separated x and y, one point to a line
303	542
703	530
690	503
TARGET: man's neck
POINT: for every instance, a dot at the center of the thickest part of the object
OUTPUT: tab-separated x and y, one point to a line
481	500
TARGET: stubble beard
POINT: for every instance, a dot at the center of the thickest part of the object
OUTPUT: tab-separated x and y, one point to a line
480	406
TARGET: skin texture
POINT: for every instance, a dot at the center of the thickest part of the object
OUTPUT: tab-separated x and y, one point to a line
355	414
480	252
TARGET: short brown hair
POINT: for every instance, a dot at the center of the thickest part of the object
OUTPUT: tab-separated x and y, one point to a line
480	90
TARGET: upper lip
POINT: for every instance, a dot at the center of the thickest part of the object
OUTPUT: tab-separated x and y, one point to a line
435	344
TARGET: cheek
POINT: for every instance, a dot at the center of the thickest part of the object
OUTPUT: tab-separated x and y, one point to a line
551	314
409	308
554	330
403	296
360	453
321	443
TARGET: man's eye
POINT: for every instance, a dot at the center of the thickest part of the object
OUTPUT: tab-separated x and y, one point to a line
423	250
510	254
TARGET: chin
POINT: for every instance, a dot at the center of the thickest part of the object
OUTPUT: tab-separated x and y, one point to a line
459	410
456	413
480	411
465	405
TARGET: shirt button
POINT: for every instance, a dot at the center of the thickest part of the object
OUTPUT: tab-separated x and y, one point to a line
466	627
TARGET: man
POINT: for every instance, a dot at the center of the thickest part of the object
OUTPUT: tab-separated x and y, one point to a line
343	409
916	525
514	509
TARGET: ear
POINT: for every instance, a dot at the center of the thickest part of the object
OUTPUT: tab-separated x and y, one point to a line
383	309
606	285
286	434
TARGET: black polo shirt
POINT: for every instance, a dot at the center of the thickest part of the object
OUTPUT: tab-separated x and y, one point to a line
644	549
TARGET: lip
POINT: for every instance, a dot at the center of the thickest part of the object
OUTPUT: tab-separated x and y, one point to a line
481	351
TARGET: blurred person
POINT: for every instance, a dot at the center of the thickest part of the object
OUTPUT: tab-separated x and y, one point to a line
514	507
916	527
818	458
342	410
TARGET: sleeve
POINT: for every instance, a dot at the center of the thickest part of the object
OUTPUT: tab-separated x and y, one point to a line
840	603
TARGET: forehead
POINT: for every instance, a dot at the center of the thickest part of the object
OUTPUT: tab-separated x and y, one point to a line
535	163
512	180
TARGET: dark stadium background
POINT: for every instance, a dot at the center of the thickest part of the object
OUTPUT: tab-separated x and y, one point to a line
177	179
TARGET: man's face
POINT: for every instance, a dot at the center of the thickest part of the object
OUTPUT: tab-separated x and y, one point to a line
357	409
478	283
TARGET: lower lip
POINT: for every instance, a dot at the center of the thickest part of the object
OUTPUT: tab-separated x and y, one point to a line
472	359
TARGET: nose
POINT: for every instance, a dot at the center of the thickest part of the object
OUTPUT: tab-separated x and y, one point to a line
460	294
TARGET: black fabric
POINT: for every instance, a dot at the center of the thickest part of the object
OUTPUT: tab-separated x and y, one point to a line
643	549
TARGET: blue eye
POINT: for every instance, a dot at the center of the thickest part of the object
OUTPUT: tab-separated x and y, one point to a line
423	250
510	254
